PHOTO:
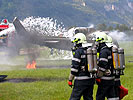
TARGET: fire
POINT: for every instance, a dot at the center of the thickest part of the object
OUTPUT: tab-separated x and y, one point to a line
31	65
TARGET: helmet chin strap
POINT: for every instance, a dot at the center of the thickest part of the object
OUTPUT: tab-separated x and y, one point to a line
79	45
76	46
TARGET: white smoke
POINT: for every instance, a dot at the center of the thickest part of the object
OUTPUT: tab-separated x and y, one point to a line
124	40
119	36
91	25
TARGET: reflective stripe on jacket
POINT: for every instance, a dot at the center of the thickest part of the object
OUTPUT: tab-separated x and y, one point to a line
79	65
106	63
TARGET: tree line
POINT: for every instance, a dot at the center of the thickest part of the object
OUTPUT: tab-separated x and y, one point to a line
119	27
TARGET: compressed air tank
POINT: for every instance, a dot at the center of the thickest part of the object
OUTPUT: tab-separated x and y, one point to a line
90	59
94	51
115	57
121	58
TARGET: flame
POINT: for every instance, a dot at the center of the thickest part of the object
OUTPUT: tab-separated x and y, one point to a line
31	65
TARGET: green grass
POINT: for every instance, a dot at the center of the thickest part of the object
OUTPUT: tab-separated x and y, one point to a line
50	84
128	47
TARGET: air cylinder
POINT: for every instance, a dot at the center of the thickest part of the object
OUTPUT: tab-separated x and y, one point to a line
90	59
115	57
94	57
121	58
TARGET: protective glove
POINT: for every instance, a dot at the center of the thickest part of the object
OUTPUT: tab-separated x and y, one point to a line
98	81
70	83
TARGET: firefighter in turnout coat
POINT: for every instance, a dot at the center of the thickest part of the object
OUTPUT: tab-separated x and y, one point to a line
105	69
117	81
119	66
83	82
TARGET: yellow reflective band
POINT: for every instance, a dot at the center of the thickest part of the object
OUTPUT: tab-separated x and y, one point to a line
88	67
118	61
98	55
98	40
73	53
75	40
3	37
113	60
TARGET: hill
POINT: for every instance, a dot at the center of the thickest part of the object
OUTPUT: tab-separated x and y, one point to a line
71	12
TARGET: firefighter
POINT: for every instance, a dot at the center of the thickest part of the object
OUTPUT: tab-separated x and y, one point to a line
83	82
105	69
110	44
119	66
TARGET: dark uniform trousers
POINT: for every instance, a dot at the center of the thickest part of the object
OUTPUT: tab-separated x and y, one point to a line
105	91
80	89
117	92
117	85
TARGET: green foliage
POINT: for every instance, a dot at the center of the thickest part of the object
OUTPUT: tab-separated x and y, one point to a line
102	27
123	27
120	27
110	28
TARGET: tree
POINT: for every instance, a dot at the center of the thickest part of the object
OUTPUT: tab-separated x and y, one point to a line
110	28
117	27
124	27
102	27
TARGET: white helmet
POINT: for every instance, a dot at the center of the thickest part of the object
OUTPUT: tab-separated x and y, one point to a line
109	41
79	38
101	37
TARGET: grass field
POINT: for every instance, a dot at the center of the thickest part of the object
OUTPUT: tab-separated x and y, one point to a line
45	83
